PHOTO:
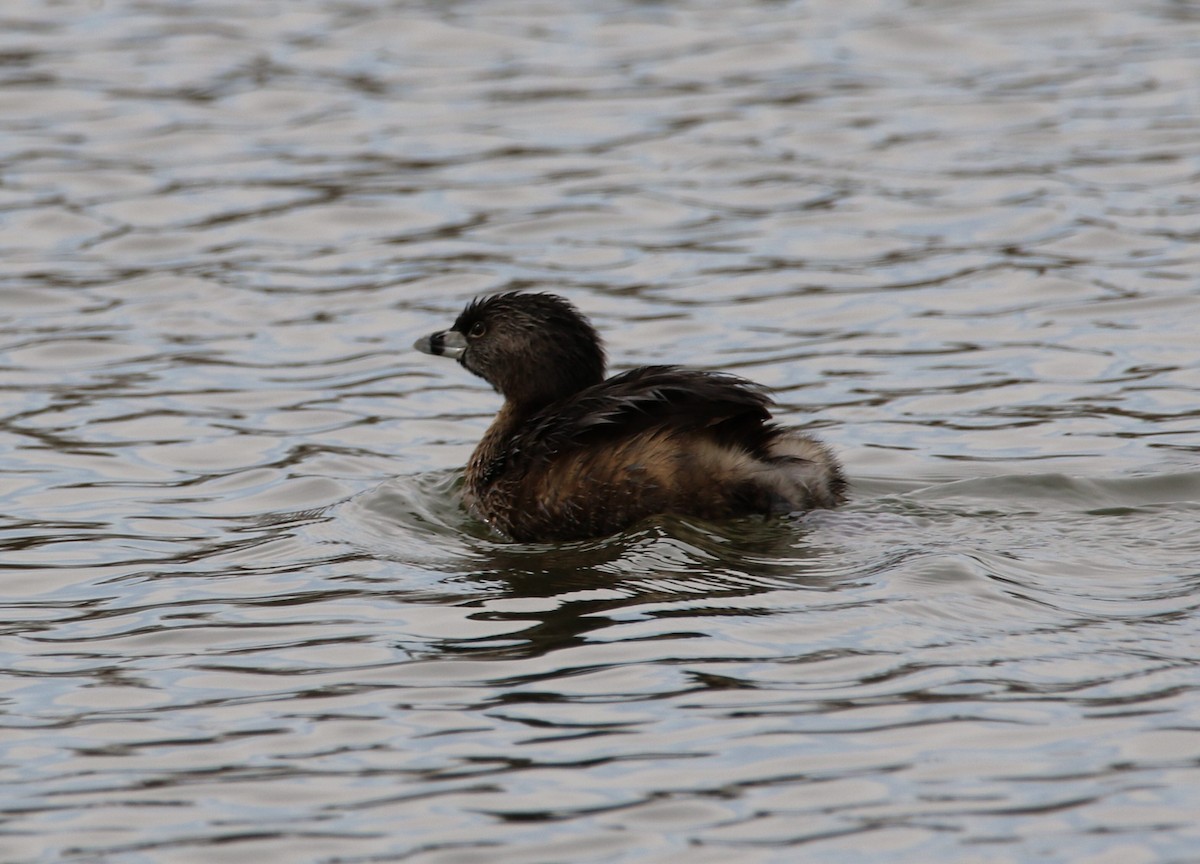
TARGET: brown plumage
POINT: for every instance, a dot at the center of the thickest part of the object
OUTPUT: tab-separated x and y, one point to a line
571	455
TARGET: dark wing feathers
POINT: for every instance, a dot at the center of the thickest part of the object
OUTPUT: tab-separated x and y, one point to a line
651	397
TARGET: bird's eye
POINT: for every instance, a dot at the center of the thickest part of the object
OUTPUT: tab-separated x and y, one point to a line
477	329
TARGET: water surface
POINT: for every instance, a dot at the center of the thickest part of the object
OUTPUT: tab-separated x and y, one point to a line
244	616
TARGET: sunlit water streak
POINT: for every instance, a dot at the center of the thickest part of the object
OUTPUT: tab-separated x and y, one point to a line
244	614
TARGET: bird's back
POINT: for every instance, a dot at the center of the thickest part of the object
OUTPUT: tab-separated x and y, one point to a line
659	439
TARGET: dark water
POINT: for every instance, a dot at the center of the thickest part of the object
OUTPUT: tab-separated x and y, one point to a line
244	618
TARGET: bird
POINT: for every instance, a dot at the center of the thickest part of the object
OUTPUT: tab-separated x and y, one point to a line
574	455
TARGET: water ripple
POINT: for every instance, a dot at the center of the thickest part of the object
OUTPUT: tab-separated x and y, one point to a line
244	612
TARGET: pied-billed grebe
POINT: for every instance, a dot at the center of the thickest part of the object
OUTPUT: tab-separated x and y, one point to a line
572	455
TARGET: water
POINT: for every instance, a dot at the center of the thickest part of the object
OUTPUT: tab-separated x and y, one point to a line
244	617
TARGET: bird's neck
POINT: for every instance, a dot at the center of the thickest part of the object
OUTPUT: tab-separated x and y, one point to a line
488	458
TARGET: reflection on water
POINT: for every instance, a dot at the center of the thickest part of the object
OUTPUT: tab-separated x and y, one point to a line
244	614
